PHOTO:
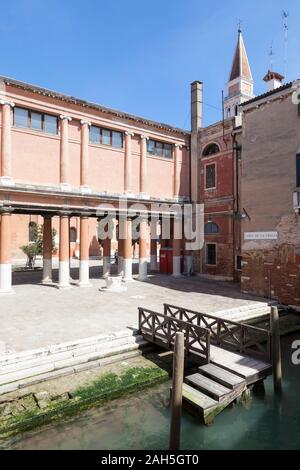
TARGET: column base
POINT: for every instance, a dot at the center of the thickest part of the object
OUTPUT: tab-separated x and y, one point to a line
120	265
153	263
188	264
64	275
47	271
176	266
6	181
127	264
65	187
5	279
85	190
106	267
143	265
84	274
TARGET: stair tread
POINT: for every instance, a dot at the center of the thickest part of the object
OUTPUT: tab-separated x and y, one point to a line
209	386
198	398
219	374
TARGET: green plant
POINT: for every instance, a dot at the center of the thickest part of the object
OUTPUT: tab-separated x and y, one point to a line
35	248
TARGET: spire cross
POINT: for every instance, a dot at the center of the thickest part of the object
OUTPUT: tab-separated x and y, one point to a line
240	22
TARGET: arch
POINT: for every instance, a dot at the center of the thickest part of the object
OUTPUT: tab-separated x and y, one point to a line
211	149
32	226
211	228
73	234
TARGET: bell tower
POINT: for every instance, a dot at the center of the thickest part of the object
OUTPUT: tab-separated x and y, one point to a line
240	83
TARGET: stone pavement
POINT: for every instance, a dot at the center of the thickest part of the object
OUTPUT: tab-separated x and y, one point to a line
37	316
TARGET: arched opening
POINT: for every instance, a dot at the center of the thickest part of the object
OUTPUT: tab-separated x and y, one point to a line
211	228
211	149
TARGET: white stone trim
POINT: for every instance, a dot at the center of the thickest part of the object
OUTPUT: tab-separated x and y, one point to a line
10	103
47	271
153	263
176	266
84	273
6	181
106	267
62	117
5	279
64	274
143	269
127	276
188	264
82	122
120	265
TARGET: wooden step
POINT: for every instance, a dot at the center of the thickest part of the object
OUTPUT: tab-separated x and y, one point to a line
207	386
222	376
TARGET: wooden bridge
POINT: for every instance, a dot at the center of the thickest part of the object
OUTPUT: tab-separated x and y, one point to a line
230	356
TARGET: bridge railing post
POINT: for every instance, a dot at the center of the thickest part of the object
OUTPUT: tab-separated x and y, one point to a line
176	398
276	350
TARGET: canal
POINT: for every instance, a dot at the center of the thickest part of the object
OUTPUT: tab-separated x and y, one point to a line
142	422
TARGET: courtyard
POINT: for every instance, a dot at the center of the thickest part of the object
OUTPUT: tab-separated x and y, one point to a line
37	315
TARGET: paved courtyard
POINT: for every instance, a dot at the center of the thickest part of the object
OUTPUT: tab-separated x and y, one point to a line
38	316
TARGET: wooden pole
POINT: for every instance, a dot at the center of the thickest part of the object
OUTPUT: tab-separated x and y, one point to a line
276	350
176	399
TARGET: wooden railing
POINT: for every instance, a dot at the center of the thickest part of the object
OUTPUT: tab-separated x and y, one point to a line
246	339
161	330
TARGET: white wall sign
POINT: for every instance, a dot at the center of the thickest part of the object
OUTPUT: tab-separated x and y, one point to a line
261	235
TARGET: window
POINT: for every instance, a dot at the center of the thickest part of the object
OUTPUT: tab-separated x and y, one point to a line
210	176
298	170
73	234
239	263
211	149
32	231
159	149
211	254
103	136
33	120
211	228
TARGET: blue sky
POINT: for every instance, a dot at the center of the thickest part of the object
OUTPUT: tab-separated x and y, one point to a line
141	56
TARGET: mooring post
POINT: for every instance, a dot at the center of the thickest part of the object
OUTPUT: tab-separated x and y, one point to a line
276	350
176	397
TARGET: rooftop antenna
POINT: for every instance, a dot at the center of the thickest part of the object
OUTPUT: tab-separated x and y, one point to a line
285	16
271	55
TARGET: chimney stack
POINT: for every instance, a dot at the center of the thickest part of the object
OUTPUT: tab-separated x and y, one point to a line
196	122
274	80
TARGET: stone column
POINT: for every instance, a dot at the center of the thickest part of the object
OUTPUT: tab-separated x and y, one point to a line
84	156
84	264
47	250
6	154
5	252
176	181
64	152
143	167
153	247
128	252
106	255
64	252
143	260
128	163
176	248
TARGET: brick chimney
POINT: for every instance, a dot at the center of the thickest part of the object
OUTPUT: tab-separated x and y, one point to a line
196	122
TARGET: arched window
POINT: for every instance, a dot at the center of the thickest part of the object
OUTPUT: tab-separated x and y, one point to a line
211	149
73	234
211	228
31	231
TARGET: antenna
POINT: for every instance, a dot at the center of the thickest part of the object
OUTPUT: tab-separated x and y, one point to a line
285	16
271	55
239	25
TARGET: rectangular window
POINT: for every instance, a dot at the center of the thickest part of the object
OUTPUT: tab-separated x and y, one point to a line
95	135
117	139
50	124
38	121
99	135
211	254
298	170
159	149
20	117
239	263
210	176
106	136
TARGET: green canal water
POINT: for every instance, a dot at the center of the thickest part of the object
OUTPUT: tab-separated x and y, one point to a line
142	422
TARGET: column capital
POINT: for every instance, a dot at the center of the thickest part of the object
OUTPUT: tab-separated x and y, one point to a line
131	134
144	137
6	210
179	146
85	215
83	122
62	117
65	213
47	216
10	103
